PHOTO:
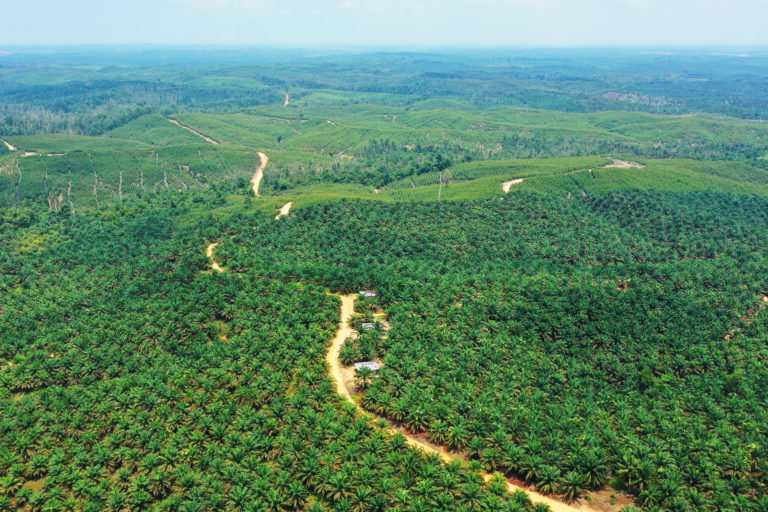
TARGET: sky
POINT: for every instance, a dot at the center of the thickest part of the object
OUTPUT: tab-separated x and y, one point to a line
387	22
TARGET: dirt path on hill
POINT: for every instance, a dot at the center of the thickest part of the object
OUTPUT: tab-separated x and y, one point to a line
507	185
344	380
336	369
284	210
259	174
623	164
10	146
192	130
287	100
209	252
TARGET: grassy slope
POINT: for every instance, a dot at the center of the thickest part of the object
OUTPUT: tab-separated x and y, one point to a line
59	143
313	132
189	166
154	129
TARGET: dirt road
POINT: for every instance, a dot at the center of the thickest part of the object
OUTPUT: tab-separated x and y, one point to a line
192	130
507	185
209	252
284	210
10	146
259	174
344	379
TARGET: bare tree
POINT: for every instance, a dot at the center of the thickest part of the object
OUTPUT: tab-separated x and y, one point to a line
95	182
69	191
18	183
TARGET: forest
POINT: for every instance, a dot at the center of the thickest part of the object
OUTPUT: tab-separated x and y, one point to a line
566	252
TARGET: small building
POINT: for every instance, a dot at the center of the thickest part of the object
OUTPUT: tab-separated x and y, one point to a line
373	365
368	293
367	326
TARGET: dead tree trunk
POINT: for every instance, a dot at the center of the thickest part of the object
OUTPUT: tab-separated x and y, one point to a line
95	182
120	186
165	171
18	183
69	192
54	202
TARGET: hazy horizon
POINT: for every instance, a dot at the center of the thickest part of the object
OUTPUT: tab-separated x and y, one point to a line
393	24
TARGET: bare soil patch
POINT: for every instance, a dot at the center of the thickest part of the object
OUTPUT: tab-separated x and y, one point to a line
507	185
623	164
284	210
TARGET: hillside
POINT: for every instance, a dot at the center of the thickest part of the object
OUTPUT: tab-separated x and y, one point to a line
404	283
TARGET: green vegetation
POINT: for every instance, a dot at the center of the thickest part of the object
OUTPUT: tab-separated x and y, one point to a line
95	177
133	378
600	326
567	343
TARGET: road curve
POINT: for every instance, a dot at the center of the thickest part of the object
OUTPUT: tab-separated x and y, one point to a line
209	252
342	376
192	130
259	174
284	210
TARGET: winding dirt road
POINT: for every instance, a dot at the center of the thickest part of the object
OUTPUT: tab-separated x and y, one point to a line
209	252
10	146
192	130
344	379
259	175
284	210
507	185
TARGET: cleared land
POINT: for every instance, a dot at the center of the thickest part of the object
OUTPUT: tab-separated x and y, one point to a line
623	164
507	185
284	210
